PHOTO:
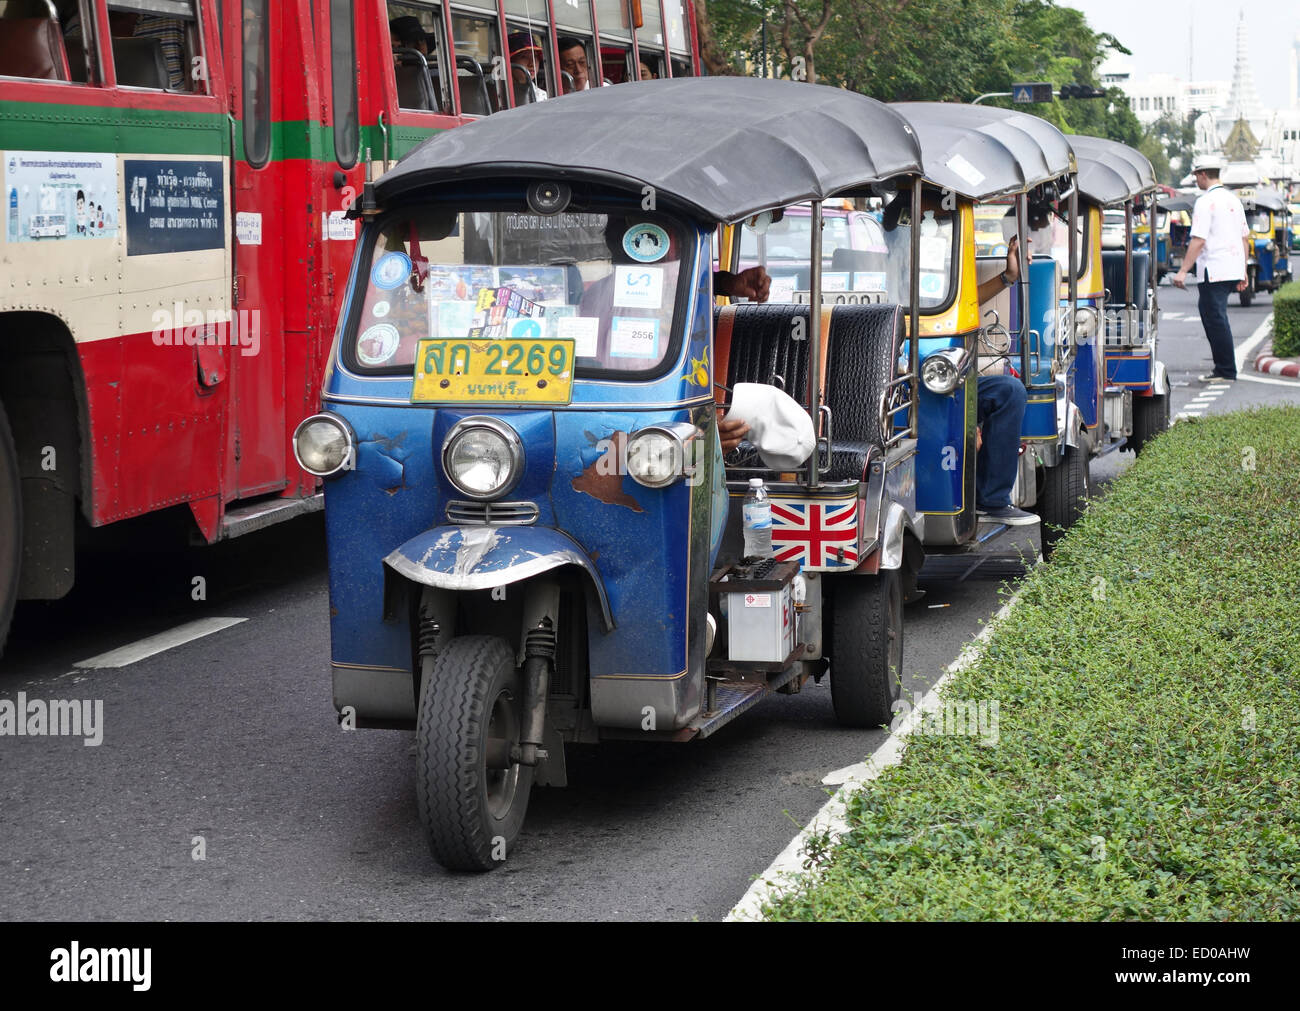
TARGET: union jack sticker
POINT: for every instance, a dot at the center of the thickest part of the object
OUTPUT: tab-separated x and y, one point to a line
818	535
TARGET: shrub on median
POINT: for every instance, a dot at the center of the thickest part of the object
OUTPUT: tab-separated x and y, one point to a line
1148	693
1286	320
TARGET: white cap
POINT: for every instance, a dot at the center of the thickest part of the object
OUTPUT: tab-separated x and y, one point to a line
779	428
1207	161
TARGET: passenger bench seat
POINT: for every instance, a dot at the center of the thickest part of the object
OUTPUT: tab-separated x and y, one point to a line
33	48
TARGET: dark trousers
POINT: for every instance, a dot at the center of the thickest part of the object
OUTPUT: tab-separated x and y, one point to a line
1212	299
1001	415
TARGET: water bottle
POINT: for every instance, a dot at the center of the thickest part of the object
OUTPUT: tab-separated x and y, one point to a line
757	512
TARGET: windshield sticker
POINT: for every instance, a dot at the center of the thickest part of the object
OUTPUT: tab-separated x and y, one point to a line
646	242
869	280
451	319
961	167
782	289
380	309
391	270
634	338
933	283
836	281
584	331
378	344
524	329
547	285
458	283
638	287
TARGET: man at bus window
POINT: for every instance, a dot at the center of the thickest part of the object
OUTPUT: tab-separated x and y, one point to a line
407	33
527	64
646	73
573	61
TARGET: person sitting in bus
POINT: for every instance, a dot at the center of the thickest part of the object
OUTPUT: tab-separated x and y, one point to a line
407	33
526	66
573	61
646	73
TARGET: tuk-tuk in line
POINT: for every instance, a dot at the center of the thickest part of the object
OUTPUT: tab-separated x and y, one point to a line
1121	387
531	531
1268	265
1173	232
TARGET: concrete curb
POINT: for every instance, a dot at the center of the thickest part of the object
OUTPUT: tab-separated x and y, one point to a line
1277	366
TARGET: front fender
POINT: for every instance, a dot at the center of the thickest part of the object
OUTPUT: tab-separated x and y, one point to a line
1160	380
482	558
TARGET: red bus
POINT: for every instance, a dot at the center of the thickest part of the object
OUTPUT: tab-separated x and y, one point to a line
176	176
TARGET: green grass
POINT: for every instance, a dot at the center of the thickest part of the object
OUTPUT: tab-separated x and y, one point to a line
1148	765
1286	320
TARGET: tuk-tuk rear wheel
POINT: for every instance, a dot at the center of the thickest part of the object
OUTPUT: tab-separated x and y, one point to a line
867	647
472	797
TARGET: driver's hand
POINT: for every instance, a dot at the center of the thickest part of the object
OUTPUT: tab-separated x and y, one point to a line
731	432
1013	258
753	284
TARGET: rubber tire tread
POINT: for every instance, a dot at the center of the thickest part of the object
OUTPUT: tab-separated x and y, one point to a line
1063	498
455	703
863	690
11	527
1150	418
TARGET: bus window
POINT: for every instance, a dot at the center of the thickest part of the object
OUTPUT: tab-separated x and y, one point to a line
478	53
343	73
577	51
32	42
613	23
652	66
531	73
155	44
649	38
682	68
257	94
419	57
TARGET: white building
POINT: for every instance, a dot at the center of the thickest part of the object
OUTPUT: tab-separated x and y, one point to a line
1157	94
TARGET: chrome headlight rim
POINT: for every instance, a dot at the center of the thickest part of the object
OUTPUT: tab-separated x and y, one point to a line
949	358
350	454
678	434
514	446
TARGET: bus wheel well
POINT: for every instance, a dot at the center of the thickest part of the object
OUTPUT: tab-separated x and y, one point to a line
44	395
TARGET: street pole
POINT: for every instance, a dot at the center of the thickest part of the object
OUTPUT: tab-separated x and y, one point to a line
991	94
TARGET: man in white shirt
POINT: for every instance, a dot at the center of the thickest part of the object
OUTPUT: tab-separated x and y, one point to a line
1220	240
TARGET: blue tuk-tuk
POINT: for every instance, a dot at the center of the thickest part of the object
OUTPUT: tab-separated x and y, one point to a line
533	536
977	154
1268	265
1122	389
1174	232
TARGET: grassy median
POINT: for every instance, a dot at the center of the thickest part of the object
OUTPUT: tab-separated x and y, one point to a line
1147	764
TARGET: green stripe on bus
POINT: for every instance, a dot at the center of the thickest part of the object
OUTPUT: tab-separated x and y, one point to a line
49	126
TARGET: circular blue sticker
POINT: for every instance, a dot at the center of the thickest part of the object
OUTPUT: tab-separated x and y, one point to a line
645	242
391	270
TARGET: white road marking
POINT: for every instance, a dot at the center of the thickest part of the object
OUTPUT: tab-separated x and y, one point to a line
1253	341
170	639
1293	383
787	868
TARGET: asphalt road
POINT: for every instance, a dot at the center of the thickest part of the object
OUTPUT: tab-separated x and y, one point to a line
231	740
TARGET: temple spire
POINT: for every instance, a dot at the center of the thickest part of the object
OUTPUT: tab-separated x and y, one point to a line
1243	102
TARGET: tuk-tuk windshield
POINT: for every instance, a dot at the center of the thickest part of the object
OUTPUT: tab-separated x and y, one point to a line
609	282
937	256
1258	219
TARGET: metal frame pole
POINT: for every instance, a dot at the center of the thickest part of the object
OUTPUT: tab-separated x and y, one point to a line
914	290
815	338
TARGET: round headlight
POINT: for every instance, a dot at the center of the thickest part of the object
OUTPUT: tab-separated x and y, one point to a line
939	374
324	445
654	458
483	457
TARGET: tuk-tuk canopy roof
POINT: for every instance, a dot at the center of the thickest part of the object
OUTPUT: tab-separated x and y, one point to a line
1267	198
983	152
723	148
1181	202
1111	172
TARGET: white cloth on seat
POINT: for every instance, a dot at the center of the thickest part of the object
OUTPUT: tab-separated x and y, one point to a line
779	428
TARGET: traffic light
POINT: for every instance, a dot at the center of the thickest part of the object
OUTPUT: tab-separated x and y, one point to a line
1081	91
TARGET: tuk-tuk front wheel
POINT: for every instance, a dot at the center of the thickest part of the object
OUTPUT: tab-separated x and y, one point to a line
1064	495
472	795
1150	418
866	648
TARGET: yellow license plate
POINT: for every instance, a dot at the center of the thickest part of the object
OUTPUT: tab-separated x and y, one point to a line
493	371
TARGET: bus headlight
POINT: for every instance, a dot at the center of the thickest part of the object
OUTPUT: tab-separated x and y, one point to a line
483	457
657	456
940	371
324	445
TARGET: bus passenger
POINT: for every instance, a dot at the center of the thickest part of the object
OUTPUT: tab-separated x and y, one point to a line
573	61
527	64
